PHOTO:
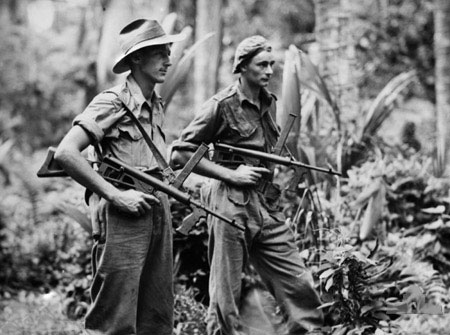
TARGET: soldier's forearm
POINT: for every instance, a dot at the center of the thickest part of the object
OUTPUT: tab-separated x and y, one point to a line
77	167
205	167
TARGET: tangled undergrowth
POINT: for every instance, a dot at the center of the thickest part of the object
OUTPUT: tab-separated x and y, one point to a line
372	284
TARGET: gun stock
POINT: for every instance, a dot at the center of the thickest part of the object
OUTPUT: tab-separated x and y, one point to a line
50	167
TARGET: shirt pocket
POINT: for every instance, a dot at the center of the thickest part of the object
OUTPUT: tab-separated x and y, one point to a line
129	132
238	122
127	144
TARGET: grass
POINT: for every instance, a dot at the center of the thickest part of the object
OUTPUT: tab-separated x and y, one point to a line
36	314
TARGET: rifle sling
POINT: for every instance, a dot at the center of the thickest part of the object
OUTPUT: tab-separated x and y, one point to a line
190	165
167	170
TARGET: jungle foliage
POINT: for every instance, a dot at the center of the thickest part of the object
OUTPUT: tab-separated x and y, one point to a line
375	240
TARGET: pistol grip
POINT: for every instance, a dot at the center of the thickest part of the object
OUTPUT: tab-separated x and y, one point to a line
191	220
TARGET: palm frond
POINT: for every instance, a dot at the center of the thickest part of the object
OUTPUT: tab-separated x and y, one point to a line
290	100
374	210
290	115
168	23
364	197
311	79
74	213
181	70
308	107
176	53
382	106
5	148
30	184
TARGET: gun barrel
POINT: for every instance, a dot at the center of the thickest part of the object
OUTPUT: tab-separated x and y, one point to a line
272	158
219	216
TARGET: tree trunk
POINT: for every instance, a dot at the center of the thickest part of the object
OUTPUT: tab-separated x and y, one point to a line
442	72
335	32
207	59
13	11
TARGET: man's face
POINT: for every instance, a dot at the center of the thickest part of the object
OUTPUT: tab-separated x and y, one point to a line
155	62
258	71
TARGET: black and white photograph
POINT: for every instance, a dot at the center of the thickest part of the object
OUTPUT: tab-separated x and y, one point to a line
225	167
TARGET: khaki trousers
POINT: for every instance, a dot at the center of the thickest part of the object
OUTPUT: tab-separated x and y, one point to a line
132	289
269	246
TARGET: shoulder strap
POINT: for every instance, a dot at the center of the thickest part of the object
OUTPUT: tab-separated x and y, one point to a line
167	170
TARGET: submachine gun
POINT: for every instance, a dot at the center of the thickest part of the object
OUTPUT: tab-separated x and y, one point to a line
273	158
122	175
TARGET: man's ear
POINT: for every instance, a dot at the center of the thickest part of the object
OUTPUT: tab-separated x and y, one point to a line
135	57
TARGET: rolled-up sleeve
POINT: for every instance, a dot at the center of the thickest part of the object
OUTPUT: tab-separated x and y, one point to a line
204	128
100	115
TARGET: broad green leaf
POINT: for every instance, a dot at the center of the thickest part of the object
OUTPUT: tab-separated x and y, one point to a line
368	193
363	258
168	23
382	105
5	147
366	308
327	304
327	273
381	316
311	79
342	330
176	53
434	210
308	108
329	283
344	292
180	72
77	215
435	225
291	100
373	212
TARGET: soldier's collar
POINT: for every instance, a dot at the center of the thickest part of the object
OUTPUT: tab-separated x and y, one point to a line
138	97
265	96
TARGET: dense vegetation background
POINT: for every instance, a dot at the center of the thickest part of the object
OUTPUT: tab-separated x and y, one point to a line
370	83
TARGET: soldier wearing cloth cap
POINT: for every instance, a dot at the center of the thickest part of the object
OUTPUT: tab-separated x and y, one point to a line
242	115
132	289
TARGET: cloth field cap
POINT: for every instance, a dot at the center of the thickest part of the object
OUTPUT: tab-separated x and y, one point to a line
248	49
139	34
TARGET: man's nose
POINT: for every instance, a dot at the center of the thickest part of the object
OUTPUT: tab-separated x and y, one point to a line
269	70
167	61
